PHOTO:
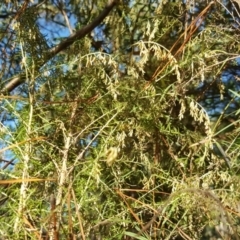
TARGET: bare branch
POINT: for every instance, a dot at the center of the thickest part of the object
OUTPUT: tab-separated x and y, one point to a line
84	31
61	8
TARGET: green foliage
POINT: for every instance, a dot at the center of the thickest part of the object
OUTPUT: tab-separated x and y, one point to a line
119	138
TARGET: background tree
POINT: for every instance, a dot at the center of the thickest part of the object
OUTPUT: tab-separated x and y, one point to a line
112	120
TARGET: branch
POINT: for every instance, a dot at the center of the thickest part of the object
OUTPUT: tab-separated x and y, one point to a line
19	79
84	31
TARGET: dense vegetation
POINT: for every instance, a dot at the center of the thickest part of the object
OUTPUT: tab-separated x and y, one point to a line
119	120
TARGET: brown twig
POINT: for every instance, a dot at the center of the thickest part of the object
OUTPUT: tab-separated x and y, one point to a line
190	30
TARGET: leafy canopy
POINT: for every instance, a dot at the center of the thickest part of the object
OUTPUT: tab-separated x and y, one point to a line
119	120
